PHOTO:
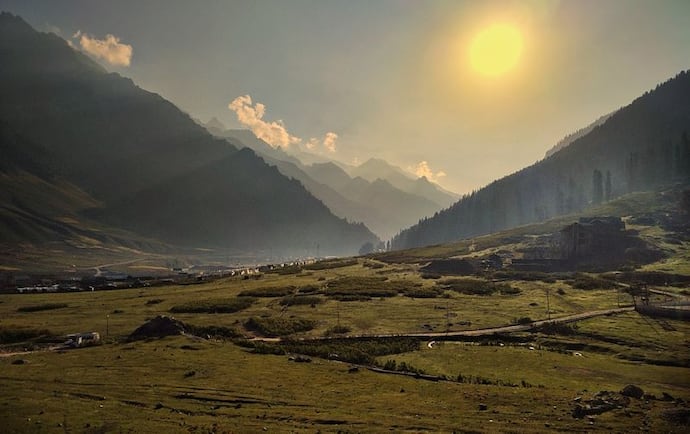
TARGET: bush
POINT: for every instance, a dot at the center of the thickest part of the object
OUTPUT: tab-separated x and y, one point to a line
40	307
11	335
154	301
347	298
268	291
228	305
522	320
300	300
309	289
277	326
423	293
585	282
214	331
477	287
338	330
378	286
360	351
330	264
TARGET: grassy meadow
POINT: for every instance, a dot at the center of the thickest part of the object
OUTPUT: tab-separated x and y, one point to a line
189	384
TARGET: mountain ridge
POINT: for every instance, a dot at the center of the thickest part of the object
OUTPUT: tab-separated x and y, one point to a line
117	141
640	146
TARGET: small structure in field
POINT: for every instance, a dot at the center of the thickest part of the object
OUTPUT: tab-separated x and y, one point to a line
80	340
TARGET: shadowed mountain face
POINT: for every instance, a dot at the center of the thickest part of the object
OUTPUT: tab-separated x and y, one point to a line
638	148
153	169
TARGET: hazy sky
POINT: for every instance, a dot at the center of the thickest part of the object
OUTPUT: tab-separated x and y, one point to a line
390	79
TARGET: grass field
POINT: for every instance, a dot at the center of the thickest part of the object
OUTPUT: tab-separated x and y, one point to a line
531	381
186	384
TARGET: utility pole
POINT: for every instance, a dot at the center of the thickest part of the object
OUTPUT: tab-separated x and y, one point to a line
107	325
548	305
447	317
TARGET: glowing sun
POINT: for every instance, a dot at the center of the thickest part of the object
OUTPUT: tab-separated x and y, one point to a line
496	50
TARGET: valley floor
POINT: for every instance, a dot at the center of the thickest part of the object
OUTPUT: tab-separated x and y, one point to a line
526	381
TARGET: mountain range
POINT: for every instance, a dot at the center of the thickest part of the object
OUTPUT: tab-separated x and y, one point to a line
382	196
118	156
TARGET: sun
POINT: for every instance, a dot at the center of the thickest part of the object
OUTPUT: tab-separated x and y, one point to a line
496	50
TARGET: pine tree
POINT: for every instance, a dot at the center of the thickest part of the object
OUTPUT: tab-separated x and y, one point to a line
597	187
607	186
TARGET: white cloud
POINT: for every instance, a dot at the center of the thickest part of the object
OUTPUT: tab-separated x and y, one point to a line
329	141
109	49
422	169
273	133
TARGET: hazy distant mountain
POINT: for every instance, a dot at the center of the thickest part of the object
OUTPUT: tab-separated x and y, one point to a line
376	168
638	148
570	138
148	165
382	207
214	126
330	174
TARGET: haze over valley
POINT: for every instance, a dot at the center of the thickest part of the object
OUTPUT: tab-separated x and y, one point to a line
344	216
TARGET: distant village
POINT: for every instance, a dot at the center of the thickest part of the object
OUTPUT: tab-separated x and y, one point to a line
104	280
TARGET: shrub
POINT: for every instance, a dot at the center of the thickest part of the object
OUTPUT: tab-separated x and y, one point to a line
585	282
309	289
423	293
506	289
40	307
338	330
433	276
268	291
154	301
227	305
360	351
277	326
11	335
300	300
214	331
330	264
378	286
477	287
522	320
347	298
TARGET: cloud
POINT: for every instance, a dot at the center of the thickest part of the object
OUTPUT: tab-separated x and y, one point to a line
422	169
273	133
329	141
109	49
312	143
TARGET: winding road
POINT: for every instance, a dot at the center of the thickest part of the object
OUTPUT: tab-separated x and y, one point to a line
478	332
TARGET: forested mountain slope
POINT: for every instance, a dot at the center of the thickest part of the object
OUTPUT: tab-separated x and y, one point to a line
641	146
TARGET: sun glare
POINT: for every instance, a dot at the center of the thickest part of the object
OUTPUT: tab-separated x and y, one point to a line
496	50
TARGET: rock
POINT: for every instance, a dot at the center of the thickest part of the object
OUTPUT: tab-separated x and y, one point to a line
632	391
158	327
666	397
353	369
19	362
158	405
483	407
